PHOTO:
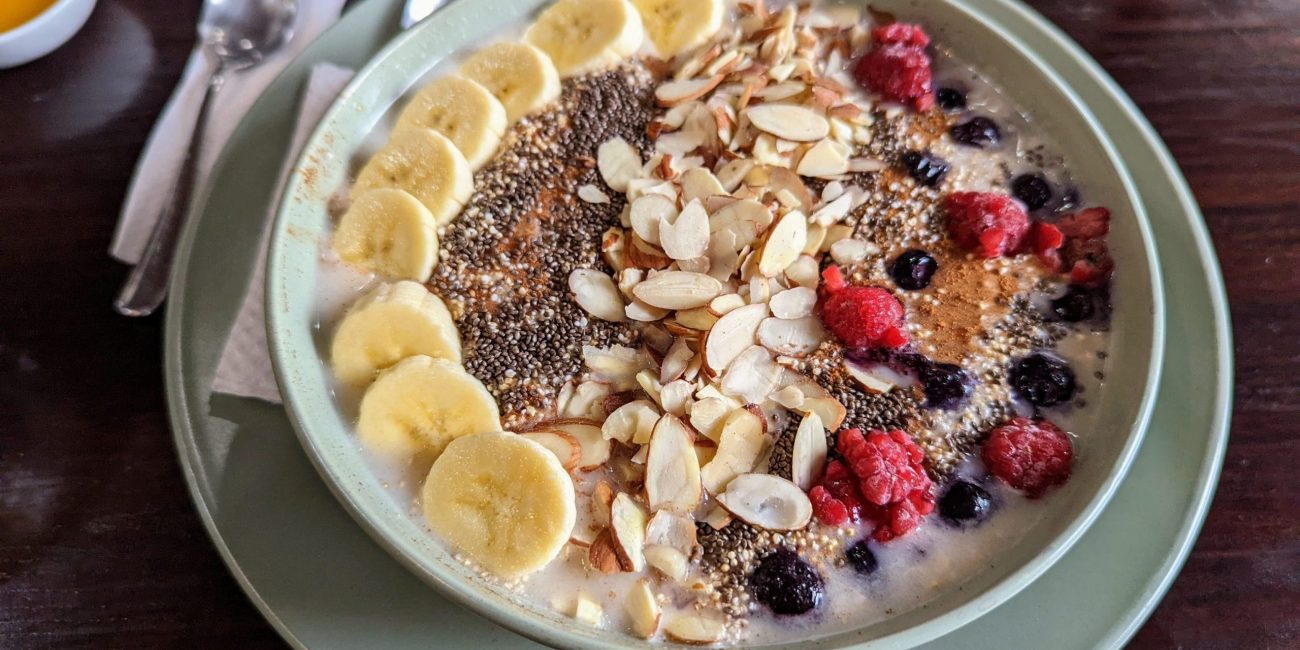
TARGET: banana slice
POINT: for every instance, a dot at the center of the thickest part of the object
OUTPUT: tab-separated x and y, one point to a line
585	35
502	500
519	75
389	232
425	164
392	322
462	110
675	26
419	405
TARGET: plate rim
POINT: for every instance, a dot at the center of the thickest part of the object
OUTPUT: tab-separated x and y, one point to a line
183	427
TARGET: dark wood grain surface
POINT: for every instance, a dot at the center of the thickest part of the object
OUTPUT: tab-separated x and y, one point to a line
100	546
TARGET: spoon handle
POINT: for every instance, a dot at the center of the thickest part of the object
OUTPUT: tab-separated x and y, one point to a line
146	286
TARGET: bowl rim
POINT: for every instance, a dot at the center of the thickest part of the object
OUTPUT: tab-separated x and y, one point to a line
46	17
521	621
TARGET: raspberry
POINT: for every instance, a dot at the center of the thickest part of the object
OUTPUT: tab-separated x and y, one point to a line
897	67
898	519
887	464
837	499
861	317
1086	224
1089	261
992	224
1046	241
1029	455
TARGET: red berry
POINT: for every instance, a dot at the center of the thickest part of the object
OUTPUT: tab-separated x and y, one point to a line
1046	241
1029	455
1086	224
837	500
892	479
861	317
992	224
897	66
1089	261
829	510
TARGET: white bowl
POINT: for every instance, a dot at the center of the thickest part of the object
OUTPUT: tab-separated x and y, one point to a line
42	34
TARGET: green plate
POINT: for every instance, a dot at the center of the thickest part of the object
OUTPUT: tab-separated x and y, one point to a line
323	583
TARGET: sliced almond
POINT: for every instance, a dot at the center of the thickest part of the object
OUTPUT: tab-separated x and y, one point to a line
627	520
816	235
564	446
668	528
668	561
694	629
781	91
732	173
791	337
866	165
767	501
752	376
642	255
640	312
745	218
764	152
675	397
808	455
643	610
826	159
699	184
649	383
734	332
592	194
789	122
780	181
596	293
759	290
784	244
618	162
676	359
648	214
708	414
872	382
587	401
685	235
612	243
699	318
628	278
678	290
616	365
631	423
725	304
740	444
602	497
674	93
595	448
829	409
804	272
582	536
793	303
588	610
672	469
717	518
834	211
695	264
790	397
723	258
848	252
601	554
705	450
639	458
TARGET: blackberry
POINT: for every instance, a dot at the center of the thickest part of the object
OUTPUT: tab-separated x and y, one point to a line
1032	189
861	558
965	501
925	168
1043	380
913	269
950	99
946	385
786	583
977	132
1075	305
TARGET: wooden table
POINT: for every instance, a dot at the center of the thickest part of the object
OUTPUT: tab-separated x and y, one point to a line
99	544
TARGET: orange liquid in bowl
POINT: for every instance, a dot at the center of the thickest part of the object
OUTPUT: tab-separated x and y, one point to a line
14	13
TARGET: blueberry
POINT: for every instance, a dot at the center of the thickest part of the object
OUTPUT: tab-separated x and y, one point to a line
950	99
786	583
977	132
861	558
946	385
913	269
1043	380
965	501
926	168
1075	305
1032	189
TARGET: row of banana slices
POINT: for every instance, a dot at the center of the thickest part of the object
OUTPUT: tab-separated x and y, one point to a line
423	176
503	500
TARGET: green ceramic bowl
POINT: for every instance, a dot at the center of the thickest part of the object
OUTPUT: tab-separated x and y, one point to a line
325	430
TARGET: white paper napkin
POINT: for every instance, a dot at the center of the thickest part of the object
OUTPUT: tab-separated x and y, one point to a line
160	163
245	365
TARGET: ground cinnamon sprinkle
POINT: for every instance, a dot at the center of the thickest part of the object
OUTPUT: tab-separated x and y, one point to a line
967	298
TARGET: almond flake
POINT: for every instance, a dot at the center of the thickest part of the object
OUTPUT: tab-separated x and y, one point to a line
794	338
789	122
871	380
732	173
618	162
726	303
675	397
752	376
596	293
592	194
564	446
767	501
612	243
684	235
826	159
675	361
616	365
740	444
732	334
631	423
789	397
804	272
848	252
833	211
808	455
694	629
784	244
700	183
627	520
648	214
793	303
674	93
672	469
862	165
641	312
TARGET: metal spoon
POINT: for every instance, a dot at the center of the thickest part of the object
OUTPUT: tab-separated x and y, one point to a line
235	35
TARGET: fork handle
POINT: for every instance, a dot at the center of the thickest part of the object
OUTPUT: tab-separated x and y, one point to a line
146	286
